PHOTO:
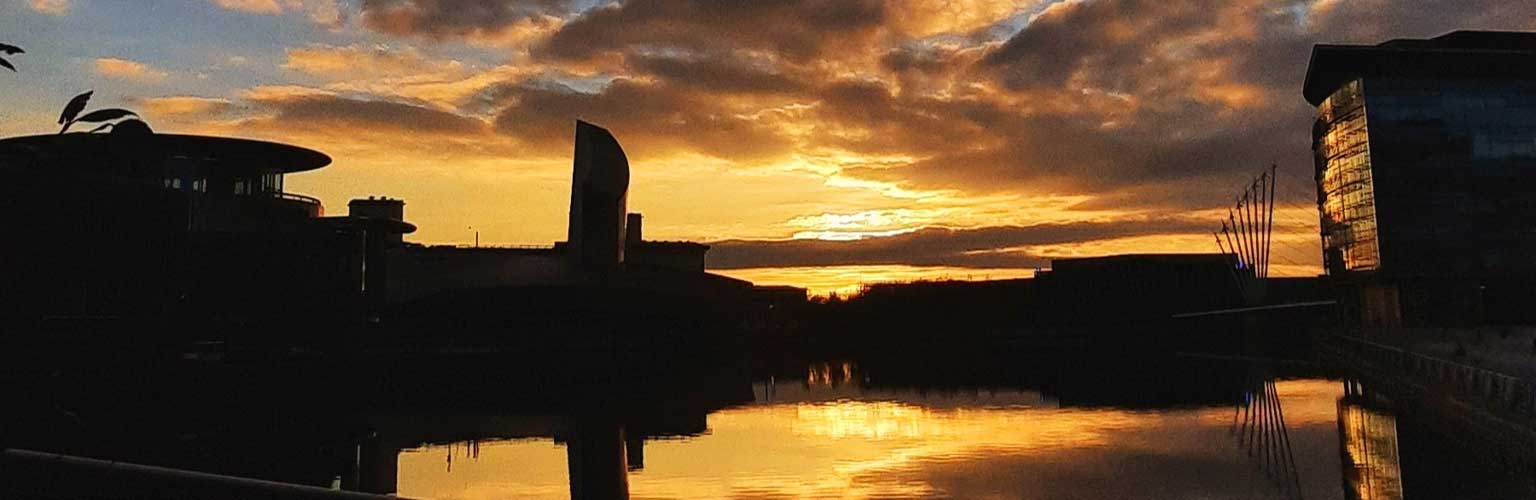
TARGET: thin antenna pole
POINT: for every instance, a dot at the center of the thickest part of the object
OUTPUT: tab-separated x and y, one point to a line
1247	220
1258	222
1238	235
1242	286
1273	169
1247	214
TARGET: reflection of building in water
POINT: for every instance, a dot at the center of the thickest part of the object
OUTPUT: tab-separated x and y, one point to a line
1368	448
1266	438
828	375
835	381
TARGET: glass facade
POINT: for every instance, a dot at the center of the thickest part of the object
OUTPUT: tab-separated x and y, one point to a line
1454	161
1343	154
1428	176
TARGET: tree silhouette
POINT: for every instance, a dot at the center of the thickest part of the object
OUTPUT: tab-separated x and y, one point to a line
9	50
71	114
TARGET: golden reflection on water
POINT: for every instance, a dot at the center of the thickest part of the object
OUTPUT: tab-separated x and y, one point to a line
1369	442
884	445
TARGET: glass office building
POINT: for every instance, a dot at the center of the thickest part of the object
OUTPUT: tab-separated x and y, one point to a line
1425	154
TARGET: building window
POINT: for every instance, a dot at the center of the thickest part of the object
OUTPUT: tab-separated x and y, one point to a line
271	183
1343	153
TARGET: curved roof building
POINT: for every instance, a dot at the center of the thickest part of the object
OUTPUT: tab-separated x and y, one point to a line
237	183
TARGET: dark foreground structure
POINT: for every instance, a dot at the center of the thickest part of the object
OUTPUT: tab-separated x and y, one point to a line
1117	303
134	240
1425	151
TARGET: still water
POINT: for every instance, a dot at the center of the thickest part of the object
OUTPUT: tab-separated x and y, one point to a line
915	425
830	434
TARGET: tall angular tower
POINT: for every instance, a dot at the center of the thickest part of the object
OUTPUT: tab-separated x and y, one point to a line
599	190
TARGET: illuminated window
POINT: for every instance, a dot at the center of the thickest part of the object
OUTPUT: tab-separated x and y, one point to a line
1344	159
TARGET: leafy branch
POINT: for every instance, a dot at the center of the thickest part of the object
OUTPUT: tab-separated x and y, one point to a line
9	50
71	114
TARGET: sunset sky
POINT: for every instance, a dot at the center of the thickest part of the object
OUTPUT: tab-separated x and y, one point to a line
813	142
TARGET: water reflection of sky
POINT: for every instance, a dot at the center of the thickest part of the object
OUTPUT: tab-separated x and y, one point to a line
837	441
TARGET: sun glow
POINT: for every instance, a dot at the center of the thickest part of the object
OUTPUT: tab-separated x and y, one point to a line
849	280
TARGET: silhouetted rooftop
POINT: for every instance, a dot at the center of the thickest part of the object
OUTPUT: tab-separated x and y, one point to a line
226	152
1147	258
671	244
1466	54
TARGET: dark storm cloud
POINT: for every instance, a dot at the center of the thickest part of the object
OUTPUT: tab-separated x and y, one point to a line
1104	40
1064	153
1098	97
442	18
796	30
650	118
1371	21
717	72
937	246
339	113
1207	89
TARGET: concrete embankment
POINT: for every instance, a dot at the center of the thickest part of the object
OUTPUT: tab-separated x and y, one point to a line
1489	411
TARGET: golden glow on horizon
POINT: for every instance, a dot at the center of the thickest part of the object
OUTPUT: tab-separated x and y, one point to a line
848	280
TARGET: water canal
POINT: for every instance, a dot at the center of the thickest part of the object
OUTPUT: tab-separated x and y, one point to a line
916	425
837	431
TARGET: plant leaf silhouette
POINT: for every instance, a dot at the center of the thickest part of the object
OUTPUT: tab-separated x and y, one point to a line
9	49
100	127
7	64
74	107
102	115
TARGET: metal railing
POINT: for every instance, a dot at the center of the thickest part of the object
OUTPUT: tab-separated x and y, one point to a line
1469	383
34	474
319	208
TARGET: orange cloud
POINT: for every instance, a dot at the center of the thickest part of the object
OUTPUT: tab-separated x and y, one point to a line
356	61
322	12
175	106
129	70
252	6
54	7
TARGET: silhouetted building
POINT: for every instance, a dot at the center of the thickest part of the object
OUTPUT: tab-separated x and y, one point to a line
379	208
605	247
1133	288
599	190
179	232
676	255
780	295
1424	152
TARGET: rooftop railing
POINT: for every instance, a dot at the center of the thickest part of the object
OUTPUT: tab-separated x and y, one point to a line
317	208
